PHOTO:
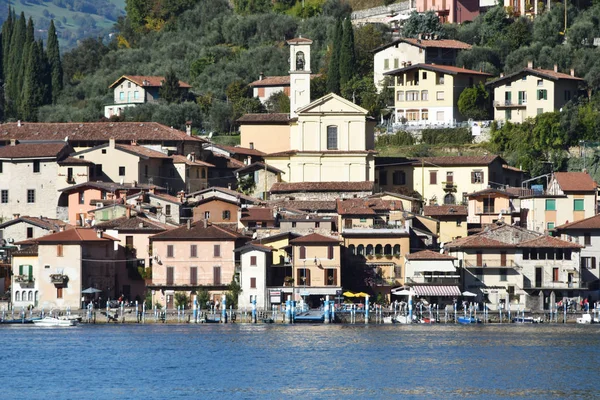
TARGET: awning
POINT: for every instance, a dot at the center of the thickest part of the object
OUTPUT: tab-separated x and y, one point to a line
437	290
432	265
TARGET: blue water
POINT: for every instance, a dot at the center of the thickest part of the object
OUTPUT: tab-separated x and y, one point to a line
302	361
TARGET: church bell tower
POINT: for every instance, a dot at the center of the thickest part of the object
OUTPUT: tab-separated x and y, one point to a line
299	73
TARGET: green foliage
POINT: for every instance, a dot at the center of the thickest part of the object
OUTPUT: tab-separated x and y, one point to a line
423	23
246	184
55	62
446	136
400	138
251	6
362	91
333	72
473	103
233	291
366	38
278	102
347	56
182	300
202	297
307	8
170	90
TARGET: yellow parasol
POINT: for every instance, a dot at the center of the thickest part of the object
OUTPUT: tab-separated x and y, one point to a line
349	294
361	294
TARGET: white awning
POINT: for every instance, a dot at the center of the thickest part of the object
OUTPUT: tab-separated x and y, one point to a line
444	291
432	265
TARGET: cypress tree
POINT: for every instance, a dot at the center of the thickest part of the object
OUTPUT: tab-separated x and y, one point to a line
170	90
15	61
347	57
7	29
29	39
33	86
53	53
333	73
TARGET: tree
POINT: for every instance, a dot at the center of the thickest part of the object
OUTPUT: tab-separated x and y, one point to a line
53	52
367	38
34	89
426	23
333	72
347	56
15	59
137	11
278	102
473	102
182	299
170	91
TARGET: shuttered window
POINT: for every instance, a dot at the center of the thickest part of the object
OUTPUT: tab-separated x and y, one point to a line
193	276
302	252
253	283
330	252
170	251
217	275
170	275
217	250
193	250
59	250
253	261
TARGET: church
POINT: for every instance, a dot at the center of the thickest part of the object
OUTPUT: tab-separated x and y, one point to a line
329	139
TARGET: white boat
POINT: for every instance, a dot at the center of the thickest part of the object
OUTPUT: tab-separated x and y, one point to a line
52	321
587	319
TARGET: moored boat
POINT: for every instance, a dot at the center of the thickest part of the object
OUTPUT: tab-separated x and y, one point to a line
587	319
527	320
53	321
468	320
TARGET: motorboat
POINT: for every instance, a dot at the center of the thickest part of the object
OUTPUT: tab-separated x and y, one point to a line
527	320
54	321
468	320
587	319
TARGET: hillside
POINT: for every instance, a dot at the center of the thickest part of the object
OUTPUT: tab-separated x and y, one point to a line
74	19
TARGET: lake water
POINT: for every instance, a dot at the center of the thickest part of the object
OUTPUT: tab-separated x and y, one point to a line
301	361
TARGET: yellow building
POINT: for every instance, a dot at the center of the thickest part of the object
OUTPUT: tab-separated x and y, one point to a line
489	206
453	220
530	92
428	93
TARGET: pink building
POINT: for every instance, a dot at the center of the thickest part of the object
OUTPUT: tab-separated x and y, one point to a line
196	256
452	11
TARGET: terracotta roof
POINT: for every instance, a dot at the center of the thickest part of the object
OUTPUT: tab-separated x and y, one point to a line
30	150
429	255
228	191
50	224
299	40
439	43
258	166
93	132
274	118
478	241
367	206
276	80
447	69
314	238
30	250
307	205
141	151
179	159
445	210
542	73
240	150
257	214
231	163
166	197
549	241
583	224
197	232
147	81
284	187
75	161
489	191
288	153
110	186
575	181
254	246
137	223
460	160
76	235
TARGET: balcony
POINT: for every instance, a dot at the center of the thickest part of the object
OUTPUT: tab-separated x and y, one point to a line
433	278
23	279
493	263
449	186
58	279
510	104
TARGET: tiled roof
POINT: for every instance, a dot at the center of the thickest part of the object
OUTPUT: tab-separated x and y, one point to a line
166	197
549	241
368	206
142	151
276	80
110	186
314	238
254	246
584	224
50	224
241	150
284	187
198	231
229	162
257	214
288	153
147	81
445	210
179	159
307	205
134	224
575	181
542	73
489	191
429	255
258	166
231	192
299	40
274	118
439	43
93	132
460	160
75	161
30	150
76	235
30	250
476	242
447	69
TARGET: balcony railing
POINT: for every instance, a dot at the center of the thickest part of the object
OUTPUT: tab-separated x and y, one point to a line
23	279
58	279
492	263
510	103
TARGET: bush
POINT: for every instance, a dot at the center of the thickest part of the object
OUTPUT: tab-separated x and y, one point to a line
447	136
400	138
182	299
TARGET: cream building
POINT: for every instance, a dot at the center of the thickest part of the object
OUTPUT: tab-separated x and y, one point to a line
428	93
403	52
531	92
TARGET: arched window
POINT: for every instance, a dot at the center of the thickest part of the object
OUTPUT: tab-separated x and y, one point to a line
352	249
332	137
449	199
300	61
302	252
387	250
361	250
30	296
379	249
369	249
396	249
17	296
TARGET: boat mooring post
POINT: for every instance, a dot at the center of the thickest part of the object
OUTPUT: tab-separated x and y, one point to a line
564	313
253	300
288	310
410	311
455	316
367	309
223	308
293	311
195	310
107	312
332	311
326	310
143	312
137	314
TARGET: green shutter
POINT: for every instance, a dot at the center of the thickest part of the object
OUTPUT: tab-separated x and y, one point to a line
550	205
578	205
20	270
30	273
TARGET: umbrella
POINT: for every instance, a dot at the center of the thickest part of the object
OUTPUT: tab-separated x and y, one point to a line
361	294
91	290
403	292
468	294
349	294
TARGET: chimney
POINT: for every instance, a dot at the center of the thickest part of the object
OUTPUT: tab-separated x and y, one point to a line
188	128
99	234
61	228
530	64
111	142
134	142
128	212
19	123
181	195
555	67
13	142
189	223
16	216
193	156
501	74
261	76
572	72
229	186
152	190
205	222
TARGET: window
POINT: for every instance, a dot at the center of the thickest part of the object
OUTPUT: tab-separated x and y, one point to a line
540	82
507	98
458	222
424	75
449	199
424	95
439	95
30	195
412	95
332	138
507	115
424	115
433	177
1	166
400	95
17	296
193	250
412	115
555	274
449	177
477	177
588	262
226	214
170	251
293	224
81	197
217	250
103	151
440	79
4	196
522	97
399	178
121	95
170	275
59	293
440	116
396	63
216	275
489	205
550	225
121	171
304	276
542	94
382	177
578	205
252	283
36	166
317	224
203	175
253	261
386	64
59	250
206	214
331	277
503	275
193	276
587	239
567	95
539	111
29	232
168	209
136	95
550	204
330	253
302	254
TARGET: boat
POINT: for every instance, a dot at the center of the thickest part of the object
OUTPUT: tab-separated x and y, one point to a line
468	320
587	319
53	321
527	320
